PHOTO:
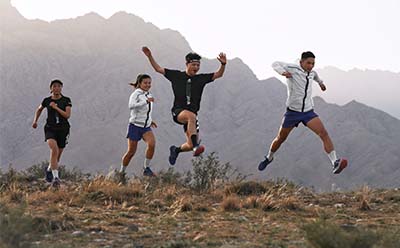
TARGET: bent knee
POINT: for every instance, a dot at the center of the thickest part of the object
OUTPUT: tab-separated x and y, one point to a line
151	145
323	134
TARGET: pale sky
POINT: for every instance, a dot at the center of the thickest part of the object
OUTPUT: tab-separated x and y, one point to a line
341	33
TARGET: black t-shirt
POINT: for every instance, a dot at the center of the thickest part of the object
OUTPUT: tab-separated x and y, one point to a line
179	80
54	119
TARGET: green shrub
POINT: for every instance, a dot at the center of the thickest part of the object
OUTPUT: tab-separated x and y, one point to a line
322	234
15	227
208	170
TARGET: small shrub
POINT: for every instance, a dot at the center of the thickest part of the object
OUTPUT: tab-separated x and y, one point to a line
74	174
231	203
207	171
251	202
170	177
246	188
16	227
36	171
186	207
322	234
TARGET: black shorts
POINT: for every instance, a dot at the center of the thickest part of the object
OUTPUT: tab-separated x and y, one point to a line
176	112
60	135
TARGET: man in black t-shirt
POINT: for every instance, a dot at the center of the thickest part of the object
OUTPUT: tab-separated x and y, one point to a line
56	130
188	88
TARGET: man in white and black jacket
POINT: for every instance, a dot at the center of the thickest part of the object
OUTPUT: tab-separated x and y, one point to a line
300	108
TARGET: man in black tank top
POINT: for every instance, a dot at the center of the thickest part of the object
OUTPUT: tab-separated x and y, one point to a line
57	127
188	88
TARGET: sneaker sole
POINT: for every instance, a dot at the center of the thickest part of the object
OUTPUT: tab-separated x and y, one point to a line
343	164
199	151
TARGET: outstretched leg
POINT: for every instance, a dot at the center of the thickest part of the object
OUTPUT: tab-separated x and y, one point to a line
318	128
279	139
276	143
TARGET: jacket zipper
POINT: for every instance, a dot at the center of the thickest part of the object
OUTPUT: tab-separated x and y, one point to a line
148	112
305	92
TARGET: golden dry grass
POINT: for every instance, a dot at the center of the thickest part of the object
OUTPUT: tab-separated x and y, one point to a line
149	213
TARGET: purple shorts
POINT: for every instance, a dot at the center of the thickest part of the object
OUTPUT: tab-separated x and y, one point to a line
293	118
135	133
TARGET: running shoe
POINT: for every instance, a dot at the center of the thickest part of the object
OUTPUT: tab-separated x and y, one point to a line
339	165
173	155
263	164
148	172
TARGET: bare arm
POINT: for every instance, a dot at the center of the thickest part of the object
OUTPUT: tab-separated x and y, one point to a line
152	61
38	112
221	70
66	114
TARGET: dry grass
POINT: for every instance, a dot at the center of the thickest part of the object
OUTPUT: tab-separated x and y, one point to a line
154	214
251	202
364	197
231	203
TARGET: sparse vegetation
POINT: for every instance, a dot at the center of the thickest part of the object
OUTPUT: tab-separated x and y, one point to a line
190	209
324	234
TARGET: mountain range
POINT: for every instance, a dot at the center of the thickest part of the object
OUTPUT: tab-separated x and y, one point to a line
96	58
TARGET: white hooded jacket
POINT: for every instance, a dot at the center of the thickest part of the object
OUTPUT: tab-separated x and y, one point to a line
299	88
140	108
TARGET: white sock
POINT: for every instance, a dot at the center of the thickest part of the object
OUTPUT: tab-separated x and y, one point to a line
146	162
123	168
270	155
55	173
332	156
49	168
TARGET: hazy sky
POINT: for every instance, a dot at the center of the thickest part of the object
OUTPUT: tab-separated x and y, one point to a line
342	33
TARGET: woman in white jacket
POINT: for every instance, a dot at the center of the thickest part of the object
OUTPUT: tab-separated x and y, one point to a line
140	123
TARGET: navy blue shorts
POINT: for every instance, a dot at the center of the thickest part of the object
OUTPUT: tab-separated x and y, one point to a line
135	133
293	118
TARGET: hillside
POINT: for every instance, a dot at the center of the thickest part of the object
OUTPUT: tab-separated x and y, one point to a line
91	211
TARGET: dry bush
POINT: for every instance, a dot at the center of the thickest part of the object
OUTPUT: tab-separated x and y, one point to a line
231	203
364	198
246	188
251	202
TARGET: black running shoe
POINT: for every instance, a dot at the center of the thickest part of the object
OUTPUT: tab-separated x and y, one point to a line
173	155
56	183
148	172
263	164
49	175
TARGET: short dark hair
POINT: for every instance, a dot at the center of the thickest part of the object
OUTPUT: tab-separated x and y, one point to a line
139	79
307	55
190	57
55	81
